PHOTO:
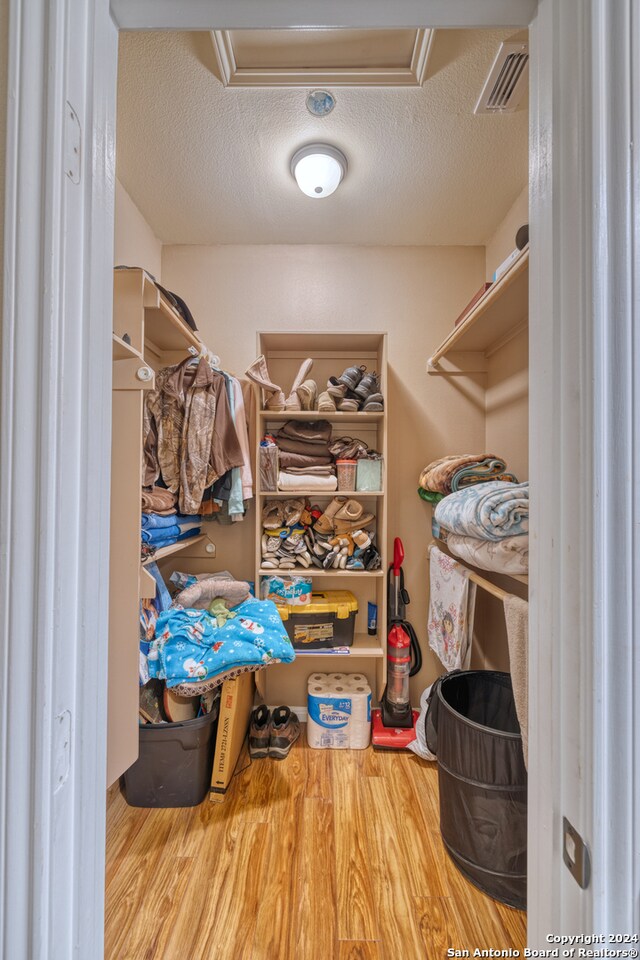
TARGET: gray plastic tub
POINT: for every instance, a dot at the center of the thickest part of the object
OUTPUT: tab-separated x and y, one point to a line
174	765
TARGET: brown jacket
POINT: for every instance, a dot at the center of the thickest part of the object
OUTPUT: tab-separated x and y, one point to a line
189	435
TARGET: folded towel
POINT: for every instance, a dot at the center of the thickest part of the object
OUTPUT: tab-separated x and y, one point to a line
462	470
326	470
154	521
509	555
306	481
158	498
303	460
167	535
311	448
307	430
487	511
516	612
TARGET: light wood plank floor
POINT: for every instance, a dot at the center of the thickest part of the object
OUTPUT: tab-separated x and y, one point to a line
327	855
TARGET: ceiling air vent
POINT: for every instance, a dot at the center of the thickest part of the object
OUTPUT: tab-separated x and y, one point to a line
507	80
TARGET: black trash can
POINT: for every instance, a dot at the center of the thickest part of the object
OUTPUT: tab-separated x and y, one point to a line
473	729
174	765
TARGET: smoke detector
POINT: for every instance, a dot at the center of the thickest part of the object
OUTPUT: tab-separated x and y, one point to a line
507	80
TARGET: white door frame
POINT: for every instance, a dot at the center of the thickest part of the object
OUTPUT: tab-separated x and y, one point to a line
54	447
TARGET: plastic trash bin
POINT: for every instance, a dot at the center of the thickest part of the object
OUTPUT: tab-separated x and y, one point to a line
174	765
473	729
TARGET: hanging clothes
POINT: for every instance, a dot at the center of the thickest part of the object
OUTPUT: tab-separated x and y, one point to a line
189	435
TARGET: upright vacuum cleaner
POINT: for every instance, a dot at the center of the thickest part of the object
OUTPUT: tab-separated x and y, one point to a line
394	722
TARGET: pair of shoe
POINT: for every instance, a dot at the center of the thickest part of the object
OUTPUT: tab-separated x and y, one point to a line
303	392
355	389
282	513
272	734
342	515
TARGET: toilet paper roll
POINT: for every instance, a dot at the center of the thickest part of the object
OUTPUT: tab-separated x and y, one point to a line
320	690
318	678
361	707
337	678
359	735
357	678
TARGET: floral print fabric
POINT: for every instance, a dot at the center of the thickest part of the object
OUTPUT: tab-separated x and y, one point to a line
451	609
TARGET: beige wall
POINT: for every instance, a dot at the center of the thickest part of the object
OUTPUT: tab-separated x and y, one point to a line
135	244
503	240
414	293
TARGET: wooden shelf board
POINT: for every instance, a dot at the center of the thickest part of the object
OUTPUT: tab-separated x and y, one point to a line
174	548
301	571
318	494
338	417
303	343
124	351
166	330
504	306
363	646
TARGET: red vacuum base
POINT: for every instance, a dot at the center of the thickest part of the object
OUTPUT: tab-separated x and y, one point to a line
391	738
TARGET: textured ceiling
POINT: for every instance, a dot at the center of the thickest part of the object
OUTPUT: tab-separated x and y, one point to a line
210	165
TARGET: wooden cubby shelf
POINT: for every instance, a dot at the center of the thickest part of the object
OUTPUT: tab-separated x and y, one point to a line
498	316
363	646
331	353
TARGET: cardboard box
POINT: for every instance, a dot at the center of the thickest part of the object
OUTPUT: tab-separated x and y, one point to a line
236	704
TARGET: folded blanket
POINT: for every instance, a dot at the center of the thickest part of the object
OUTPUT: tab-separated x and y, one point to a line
326	470
318	431
303	460
306	481
462	470
310	448
509	555
487	511
158	498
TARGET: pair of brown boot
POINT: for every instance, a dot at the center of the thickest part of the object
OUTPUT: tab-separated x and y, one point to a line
303	392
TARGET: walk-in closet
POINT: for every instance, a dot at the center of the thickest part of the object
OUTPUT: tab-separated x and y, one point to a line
318	598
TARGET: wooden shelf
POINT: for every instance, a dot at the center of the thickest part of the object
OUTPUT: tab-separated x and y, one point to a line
124	351
301	571
363	646
494	320
338	417
317	494
174	548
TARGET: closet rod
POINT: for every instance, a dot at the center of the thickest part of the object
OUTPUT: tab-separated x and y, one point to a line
477	579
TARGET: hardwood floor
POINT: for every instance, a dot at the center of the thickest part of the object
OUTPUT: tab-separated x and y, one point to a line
327	855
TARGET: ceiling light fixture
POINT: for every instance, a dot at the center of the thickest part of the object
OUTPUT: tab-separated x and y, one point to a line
318	169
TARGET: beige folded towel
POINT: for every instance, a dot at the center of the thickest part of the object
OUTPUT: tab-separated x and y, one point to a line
516	612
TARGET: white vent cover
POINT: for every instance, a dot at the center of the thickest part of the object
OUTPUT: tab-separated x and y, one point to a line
507	80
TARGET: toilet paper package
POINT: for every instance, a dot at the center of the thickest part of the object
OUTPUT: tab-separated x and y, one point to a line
339	711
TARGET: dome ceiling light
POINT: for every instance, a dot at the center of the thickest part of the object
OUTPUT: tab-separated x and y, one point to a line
318	169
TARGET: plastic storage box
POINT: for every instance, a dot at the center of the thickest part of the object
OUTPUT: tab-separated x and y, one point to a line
174	766
327	621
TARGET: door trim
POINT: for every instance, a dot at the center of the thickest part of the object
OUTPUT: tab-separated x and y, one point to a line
54	463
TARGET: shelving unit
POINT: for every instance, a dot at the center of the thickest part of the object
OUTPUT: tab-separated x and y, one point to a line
496	318
331	353
158	336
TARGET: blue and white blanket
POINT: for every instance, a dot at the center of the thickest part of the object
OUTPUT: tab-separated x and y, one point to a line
488	511
189	646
